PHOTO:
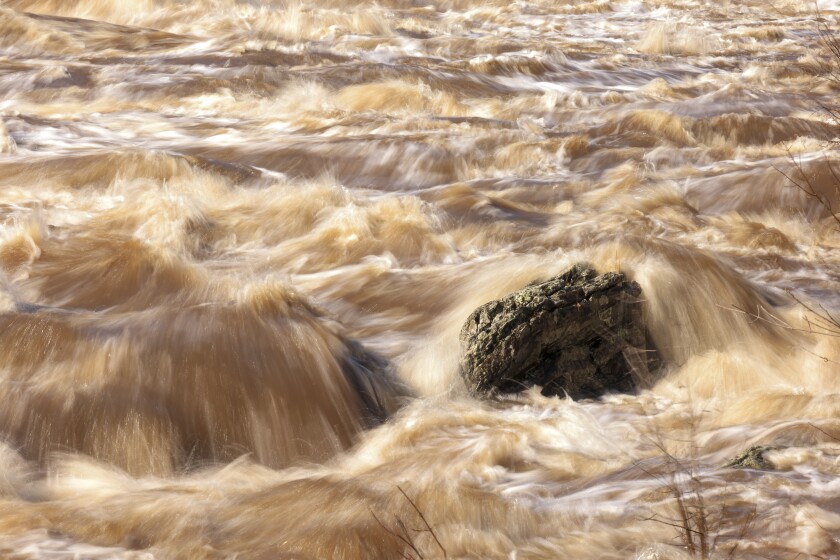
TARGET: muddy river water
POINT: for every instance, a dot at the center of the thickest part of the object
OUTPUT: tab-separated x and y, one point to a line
207	206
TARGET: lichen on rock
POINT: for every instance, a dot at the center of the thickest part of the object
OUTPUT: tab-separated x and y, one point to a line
752	458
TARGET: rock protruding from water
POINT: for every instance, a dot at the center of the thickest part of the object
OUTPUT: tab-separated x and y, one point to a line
579	334
753	458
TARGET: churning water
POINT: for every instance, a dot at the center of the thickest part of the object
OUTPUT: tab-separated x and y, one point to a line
206	203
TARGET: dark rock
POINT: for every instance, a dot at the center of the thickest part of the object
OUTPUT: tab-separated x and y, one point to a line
578	334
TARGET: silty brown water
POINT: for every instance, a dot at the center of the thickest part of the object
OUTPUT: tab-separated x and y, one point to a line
205	203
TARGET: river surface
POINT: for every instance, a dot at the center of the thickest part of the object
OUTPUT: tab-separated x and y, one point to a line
205	203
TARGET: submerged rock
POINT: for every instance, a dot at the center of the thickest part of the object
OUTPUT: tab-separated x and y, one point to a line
169	388
374	381
579	334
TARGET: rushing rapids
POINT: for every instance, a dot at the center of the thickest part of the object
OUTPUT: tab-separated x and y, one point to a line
220	218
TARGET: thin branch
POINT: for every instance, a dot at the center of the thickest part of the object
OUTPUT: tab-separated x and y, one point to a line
825	316
805	185
423	518
743	533
775	321
835	438
669	523
394	534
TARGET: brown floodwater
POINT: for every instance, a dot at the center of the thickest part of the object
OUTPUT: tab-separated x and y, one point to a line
206	207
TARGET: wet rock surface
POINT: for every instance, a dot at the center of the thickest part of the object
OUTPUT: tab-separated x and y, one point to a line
753	458
579	334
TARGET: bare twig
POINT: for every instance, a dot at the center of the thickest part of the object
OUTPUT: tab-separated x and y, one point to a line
404	533
423	518
745	527
803	182
404	539
704	525
835	438
823	325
